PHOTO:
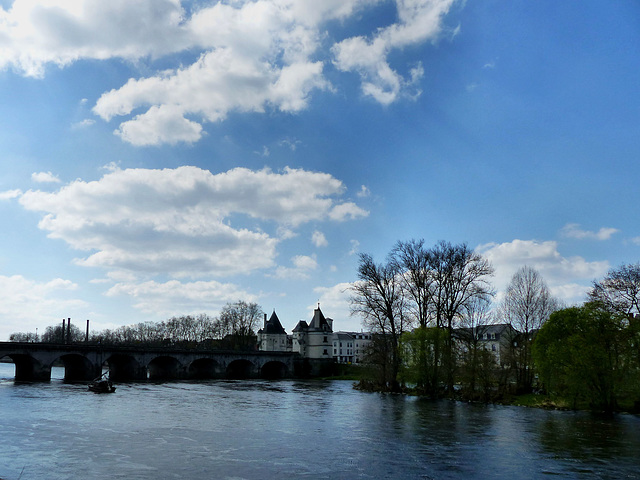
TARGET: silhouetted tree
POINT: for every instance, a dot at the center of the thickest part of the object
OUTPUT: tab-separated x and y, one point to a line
619	291
377	298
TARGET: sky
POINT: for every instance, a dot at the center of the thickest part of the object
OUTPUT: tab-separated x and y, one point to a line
165	157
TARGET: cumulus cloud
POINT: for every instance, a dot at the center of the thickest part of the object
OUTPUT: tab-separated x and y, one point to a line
318	239
569	278
573	230
26	304
44	177
418	21
59	32
253	56
336	305
347	211
10	194
303	265
182	222
160	124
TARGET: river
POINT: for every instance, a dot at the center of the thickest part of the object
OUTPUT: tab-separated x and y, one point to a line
295	429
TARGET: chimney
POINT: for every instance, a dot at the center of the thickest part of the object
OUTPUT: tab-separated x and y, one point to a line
265	321
68	330
86	337
63	328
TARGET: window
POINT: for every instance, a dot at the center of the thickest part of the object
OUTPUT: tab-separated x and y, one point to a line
325	352
335	351
493	348
325	341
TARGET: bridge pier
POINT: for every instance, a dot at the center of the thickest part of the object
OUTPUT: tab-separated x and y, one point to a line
28	369
125	368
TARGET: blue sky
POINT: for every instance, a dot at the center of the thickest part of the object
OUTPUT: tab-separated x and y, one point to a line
163	158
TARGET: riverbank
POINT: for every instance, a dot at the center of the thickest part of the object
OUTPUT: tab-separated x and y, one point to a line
530	400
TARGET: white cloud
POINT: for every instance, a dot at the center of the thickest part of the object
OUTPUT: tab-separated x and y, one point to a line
303	265
418	21
44	177
27	304
180	298
355	247
347	211
568	277
36	33
10	194
318	239
636	240
363	192
573	230
160	124
254	56
87	122
264	153
290	144
334	302
181	222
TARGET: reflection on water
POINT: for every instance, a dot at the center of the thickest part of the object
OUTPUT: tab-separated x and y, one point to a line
316	430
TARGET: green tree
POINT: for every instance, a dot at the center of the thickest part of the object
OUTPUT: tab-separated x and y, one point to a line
581	354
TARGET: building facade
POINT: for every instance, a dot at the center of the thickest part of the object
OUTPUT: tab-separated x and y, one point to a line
314	339
272	337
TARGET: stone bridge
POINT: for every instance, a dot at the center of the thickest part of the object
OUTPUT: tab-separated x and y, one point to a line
33	362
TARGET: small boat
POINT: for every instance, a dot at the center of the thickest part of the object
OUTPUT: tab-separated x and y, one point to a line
102	384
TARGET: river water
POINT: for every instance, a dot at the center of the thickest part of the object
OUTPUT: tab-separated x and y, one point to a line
294	429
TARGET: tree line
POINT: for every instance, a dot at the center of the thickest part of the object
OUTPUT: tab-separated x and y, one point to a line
234	328
432	310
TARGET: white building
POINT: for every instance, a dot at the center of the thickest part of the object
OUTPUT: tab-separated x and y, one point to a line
350	347
272	337
313	340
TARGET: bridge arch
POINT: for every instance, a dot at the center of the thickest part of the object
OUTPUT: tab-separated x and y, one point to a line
78	368
28	368
165	367
274	370
240	369
124	367
203	368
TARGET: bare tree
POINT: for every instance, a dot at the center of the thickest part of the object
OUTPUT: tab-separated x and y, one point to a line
377	298
243	318
527	304
459	277
411	260
619	291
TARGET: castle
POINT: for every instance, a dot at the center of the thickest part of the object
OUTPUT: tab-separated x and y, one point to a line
315	339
